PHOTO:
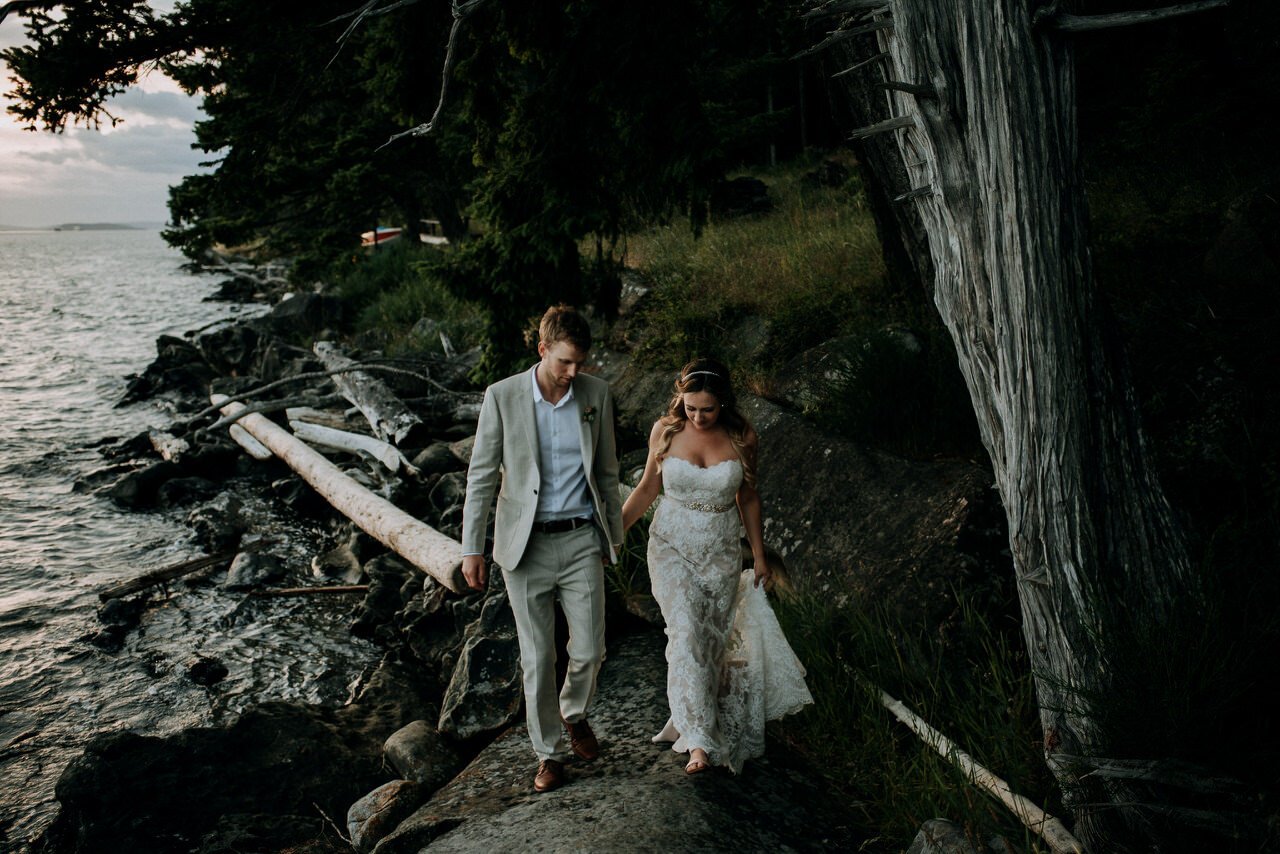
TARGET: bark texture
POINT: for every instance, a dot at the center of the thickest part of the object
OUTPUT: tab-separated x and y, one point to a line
1098	555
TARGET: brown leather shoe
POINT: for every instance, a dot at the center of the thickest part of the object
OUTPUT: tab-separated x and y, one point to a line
582	740
550	776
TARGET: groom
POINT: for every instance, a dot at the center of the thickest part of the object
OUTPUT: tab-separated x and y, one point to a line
549	432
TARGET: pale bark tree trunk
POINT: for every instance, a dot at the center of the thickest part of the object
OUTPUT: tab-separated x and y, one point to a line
988	138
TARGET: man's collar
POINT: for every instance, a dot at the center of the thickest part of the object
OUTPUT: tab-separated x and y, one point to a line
537	390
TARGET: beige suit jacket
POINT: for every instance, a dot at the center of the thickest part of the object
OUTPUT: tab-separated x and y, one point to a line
506	451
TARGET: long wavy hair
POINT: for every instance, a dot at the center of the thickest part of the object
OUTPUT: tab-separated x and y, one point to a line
710	376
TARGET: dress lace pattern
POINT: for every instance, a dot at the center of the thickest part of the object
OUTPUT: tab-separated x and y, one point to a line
729	667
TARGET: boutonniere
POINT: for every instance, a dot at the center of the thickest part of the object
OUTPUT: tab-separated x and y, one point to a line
589	414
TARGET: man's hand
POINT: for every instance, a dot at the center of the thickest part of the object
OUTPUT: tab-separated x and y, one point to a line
474	571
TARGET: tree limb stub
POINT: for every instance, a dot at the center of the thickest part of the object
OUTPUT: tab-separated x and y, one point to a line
1086	23
896	123
918	192
415	541
841	7
1037	820
857	65
842	35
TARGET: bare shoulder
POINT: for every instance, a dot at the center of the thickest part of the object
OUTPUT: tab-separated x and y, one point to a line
750	438
655	432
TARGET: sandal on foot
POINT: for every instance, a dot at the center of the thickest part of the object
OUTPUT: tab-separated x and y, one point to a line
696	766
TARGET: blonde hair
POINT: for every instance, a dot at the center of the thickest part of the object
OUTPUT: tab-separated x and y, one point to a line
712	377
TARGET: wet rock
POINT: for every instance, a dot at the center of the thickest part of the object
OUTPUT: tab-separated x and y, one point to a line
625	800
418	752
276	760
446	500
220	524
239	833
338	563
119	617
206	671
388	575
233	349
379	812
939	836
485	692
213	460
179	368
429	631
438	458
253	569
185	490
138	489
295	492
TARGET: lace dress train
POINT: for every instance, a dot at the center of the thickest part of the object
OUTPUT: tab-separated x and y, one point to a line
729	666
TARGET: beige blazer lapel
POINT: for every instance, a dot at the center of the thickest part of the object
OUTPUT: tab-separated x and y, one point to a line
529	424
586	438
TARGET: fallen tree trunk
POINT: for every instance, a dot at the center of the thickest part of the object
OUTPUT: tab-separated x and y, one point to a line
387	414
419	543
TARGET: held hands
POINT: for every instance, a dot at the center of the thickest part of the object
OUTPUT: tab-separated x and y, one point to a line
474	571
764	574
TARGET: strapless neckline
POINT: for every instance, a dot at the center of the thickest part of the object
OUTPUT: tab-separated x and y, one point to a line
702	468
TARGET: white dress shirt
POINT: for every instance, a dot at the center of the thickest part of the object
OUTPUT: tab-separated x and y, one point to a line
563	492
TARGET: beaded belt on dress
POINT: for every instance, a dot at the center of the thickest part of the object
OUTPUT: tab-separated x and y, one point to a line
706	507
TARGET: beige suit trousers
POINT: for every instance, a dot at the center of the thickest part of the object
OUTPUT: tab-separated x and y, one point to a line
567	566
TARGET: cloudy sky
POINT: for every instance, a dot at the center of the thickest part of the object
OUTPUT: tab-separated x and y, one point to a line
119	174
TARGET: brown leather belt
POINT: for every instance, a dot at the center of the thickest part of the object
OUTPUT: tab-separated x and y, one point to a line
559	526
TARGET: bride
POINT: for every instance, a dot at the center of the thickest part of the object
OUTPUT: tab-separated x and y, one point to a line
729	667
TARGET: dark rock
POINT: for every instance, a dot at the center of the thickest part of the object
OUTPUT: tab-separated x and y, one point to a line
253	569
139	488
206	671
418	752
239	833
164	795
485	692
625	800
446	500
462	449
339	563
185	490
379	812
233	349
122	612
387	576
740	197
214	460
219	525
939	836
179	368
438	458
305	313
295	492
428	629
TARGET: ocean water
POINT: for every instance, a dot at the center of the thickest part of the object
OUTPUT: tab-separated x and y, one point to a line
78	312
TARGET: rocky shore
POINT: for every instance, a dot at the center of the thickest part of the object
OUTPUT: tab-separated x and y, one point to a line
430	749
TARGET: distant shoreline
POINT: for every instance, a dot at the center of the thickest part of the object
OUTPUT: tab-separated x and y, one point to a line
86	226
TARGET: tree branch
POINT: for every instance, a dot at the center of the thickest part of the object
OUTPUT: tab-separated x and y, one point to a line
460	11
1085	23
883	127
920	90
840	7
857	65
20	6
843	35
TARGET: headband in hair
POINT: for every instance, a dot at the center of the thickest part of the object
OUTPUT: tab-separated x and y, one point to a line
695	373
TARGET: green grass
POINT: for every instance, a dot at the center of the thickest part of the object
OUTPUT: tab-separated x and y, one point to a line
807	269
392	289
973	686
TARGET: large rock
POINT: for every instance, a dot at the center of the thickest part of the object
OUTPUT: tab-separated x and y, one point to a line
419	752
179	368
220	524
139	488
635	797
377	813
388	576
485	693
165	795
305	313
253	569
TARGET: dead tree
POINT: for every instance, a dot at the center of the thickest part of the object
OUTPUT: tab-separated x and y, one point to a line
980	98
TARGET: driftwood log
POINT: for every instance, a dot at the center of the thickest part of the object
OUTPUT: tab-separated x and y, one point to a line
420	544
391	420
353	443
165	574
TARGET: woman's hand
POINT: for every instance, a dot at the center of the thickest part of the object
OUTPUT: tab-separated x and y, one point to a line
763	573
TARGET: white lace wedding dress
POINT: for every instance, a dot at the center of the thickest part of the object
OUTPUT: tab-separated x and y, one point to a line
729	667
